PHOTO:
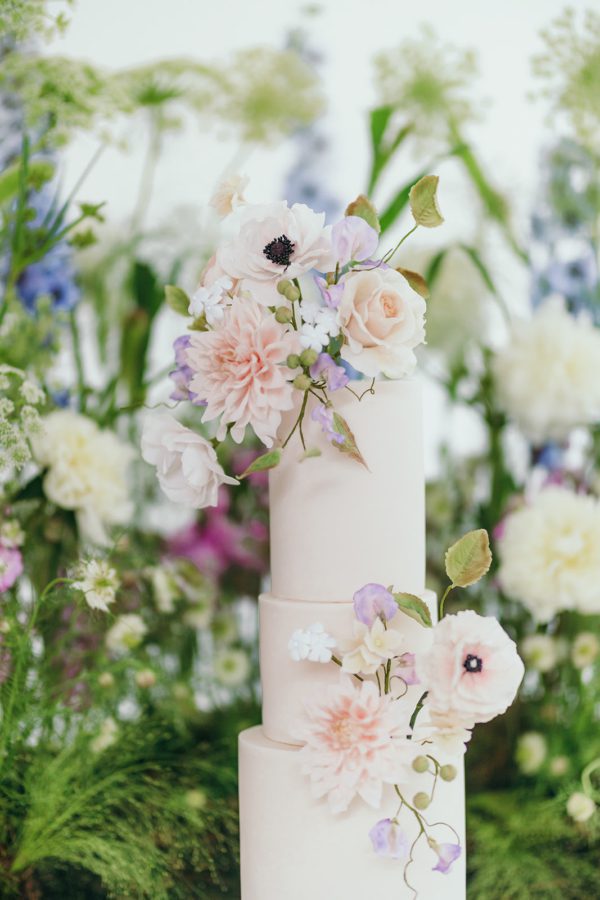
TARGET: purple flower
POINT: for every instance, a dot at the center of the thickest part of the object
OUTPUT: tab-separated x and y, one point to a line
331	293
374	600
182	373
447	854
407	668
353	239
324	416
11	566
334	375
389	840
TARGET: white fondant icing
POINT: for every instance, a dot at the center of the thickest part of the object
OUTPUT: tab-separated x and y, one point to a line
288	685
293	848
336	525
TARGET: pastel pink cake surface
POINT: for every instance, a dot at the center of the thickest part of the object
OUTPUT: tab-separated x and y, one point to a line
336	525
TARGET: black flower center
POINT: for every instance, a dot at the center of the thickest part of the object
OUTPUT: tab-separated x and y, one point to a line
279	250
473	663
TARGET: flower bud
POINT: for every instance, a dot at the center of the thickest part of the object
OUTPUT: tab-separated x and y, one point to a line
448	773
293	361
420	764
292	293
302	382
308	357
421	800
106	679
282	286
283	315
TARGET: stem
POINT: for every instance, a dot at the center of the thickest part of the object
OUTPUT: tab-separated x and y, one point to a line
78	359
298	423
587	781
417	710
390	253
147	179
443	600
338	662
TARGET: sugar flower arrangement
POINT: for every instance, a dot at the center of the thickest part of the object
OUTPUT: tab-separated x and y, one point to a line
359	737
288	307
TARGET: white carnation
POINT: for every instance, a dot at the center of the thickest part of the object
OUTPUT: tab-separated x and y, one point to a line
550	554
86	471
548	375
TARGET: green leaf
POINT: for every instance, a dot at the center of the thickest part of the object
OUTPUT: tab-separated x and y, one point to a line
349	446
177	299
414	607
423	202
416	281
262	463
364	209
469	558
38	173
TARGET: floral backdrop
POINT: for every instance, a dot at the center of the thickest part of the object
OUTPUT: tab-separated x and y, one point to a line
128	640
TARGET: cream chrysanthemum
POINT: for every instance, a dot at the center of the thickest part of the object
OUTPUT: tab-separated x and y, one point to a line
86	471
548	375
550	554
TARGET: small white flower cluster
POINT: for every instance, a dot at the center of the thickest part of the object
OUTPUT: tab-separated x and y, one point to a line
19	416
320	324
313	644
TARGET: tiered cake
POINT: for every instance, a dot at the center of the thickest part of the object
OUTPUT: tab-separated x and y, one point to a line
336	526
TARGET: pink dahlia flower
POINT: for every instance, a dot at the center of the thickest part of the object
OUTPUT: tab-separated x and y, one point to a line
240	371
355	743
11	566
472	671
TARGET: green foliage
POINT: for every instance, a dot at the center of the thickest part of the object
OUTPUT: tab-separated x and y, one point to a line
522	847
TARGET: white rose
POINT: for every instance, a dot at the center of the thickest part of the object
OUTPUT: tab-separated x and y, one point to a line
382	320
86	471
187	467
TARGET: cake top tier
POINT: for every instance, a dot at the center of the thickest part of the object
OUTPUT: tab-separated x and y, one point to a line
336	524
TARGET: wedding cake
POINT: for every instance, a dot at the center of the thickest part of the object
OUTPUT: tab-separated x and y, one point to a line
336	526
353	785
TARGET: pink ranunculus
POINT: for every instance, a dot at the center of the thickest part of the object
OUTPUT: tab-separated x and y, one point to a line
383	320
11	566
355	742
472	671
187	467
275	241
240	369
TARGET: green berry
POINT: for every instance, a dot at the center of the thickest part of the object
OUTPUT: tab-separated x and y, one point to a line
302	382
448	773
421	800
283	315
308	357
293	361
420	764
282	286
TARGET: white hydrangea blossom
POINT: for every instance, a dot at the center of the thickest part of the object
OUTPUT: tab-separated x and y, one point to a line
313	644
550	554
320	324
548	374
210	301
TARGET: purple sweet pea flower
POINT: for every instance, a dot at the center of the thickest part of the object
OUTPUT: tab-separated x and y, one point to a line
374	600
331	293
182	373
447	854
389	840
407	668
334	375
353	239
324	416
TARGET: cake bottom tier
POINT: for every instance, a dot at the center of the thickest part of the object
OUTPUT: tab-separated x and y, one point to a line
293	848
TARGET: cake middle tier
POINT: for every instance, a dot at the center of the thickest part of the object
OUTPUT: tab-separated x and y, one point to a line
287	685
336	524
